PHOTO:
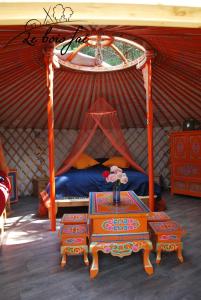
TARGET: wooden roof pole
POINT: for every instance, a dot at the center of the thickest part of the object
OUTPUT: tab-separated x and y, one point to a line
119	53
147	76
50	114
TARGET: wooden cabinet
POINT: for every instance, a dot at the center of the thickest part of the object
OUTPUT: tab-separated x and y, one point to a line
186	163
39	184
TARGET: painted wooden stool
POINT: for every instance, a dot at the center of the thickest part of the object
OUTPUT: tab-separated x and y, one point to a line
72	219
159	216
166	236
74	242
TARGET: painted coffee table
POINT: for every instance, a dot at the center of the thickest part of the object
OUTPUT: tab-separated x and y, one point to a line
118	230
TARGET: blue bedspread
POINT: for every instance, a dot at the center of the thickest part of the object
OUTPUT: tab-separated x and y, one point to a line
79	183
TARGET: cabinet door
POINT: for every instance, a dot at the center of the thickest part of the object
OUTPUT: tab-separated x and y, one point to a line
195	158
180	148
179	154
186	163
195	148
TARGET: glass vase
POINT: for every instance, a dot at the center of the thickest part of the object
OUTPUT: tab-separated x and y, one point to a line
116	195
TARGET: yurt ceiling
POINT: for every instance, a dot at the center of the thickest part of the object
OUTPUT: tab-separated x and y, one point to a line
176	80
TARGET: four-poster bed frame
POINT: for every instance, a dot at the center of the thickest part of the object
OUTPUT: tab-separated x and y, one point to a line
147	76
50	113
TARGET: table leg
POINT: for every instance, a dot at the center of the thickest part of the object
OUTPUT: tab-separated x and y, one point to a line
158	255
179	253
147	264
86	261
95	266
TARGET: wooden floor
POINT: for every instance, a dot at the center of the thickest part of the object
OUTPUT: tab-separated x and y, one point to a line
30	270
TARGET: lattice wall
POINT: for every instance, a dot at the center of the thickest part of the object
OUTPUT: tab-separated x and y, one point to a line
27	151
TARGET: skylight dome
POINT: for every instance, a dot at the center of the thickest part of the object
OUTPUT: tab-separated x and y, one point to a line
99	53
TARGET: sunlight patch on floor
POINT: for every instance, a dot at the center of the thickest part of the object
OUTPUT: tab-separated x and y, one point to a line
21	237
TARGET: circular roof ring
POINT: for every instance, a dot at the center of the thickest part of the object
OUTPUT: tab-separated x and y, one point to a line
99	53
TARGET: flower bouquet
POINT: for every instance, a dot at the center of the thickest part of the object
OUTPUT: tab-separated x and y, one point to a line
117	177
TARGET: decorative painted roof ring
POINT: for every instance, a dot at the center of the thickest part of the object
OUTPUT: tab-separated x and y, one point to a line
100	53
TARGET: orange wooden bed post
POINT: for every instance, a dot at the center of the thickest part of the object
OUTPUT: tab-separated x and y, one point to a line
50	113
147	75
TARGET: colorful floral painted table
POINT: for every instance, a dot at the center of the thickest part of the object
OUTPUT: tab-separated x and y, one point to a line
118	230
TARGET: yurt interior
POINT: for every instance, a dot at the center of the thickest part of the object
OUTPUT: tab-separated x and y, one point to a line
100	150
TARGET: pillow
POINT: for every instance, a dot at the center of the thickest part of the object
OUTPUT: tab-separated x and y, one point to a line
118	161
85	161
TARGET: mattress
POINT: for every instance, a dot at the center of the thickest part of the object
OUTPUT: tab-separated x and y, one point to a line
78	183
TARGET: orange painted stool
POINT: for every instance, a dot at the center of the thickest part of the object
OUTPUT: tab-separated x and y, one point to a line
166	236
74	242
158	216
70	219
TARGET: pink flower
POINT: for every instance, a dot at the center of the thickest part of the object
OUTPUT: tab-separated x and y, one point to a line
116	175
111	178
114	169
124	178
119	175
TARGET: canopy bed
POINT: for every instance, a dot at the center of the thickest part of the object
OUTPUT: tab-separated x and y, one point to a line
99	116
80	174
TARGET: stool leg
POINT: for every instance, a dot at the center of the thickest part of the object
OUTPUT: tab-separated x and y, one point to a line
86	261
179	254
63	259
158	254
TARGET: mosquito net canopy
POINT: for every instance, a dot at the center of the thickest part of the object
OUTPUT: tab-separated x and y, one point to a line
103	116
